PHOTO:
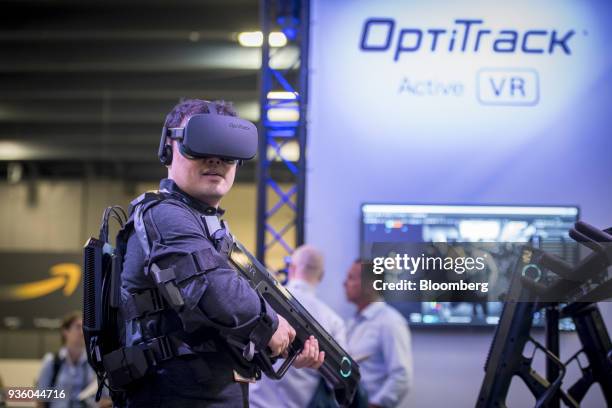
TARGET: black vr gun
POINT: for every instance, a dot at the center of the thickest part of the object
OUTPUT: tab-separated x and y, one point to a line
506	357
339	369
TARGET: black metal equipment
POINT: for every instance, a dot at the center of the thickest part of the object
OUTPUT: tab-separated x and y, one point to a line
101	284
508	356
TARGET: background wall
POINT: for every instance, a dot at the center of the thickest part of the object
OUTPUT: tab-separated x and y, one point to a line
426	126
65	213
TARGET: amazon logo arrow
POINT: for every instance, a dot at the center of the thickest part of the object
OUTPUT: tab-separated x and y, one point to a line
65	276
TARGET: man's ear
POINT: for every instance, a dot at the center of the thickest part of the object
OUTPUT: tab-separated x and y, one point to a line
291	271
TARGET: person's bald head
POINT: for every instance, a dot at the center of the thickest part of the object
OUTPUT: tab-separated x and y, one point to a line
306	264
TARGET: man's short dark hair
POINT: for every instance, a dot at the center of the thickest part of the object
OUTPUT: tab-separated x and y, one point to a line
367	275
186	108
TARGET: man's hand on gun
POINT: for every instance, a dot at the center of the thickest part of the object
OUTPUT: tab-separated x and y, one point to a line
282	337
310	356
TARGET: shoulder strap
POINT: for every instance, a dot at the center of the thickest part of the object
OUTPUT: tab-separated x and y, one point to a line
145	202
57	364
137	210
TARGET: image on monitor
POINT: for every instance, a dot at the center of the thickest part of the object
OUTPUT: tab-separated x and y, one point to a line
545	227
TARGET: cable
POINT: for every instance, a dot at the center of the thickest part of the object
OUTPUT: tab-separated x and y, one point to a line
104	226
118	214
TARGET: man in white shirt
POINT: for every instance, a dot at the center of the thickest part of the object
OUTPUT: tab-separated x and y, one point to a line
297	387
379	340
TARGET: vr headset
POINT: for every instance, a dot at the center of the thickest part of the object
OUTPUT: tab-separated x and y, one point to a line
211	134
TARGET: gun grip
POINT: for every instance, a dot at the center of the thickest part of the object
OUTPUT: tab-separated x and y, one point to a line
580	388
265	363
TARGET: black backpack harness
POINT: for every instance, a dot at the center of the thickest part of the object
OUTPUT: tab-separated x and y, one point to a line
141	313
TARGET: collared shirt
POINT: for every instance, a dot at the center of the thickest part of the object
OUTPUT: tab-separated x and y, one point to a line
71	377
169	186
379	340
297	387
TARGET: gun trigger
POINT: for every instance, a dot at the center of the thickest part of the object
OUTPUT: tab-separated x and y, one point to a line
249	351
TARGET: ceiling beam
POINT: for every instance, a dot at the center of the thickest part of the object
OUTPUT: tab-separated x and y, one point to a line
79	35
128	58
123	81
103	111
129	15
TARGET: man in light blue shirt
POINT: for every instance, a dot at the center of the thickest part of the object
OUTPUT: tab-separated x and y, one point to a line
297	387
379	340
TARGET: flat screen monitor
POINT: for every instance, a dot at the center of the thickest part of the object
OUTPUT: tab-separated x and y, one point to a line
543	226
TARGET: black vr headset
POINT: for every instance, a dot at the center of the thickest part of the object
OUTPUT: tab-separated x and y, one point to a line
211	135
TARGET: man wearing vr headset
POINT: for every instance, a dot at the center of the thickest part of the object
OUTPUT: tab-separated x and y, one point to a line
207	320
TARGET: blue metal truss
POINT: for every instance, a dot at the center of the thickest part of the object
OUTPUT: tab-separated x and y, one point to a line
281	137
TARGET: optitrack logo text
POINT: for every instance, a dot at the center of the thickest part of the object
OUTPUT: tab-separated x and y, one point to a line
467	35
